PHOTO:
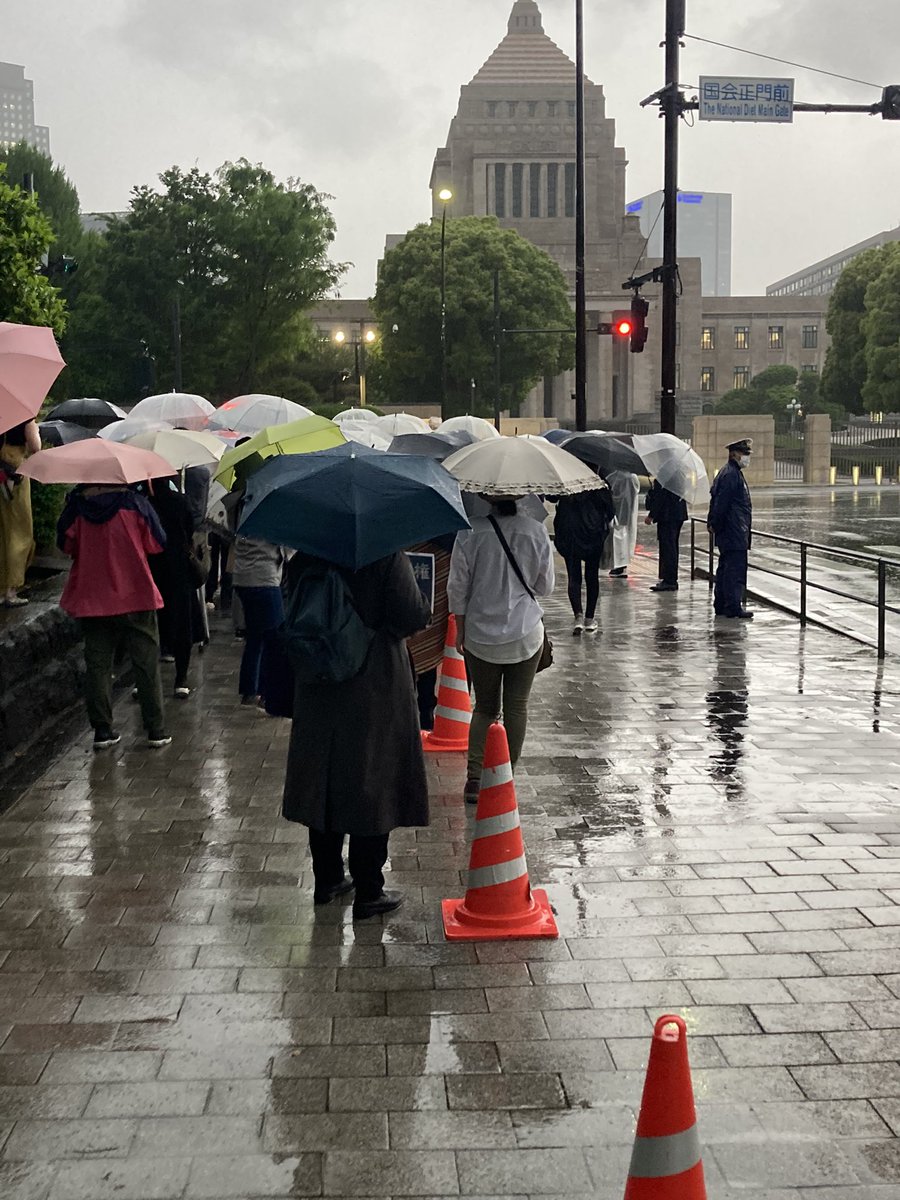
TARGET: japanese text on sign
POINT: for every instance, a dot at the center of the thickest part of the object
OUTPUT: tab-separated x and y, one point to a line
734	98
424	571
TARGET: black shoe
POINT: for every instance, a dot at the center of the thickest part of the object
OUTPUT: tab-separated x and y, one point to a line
664	587
250	700
472	791
385	903
326	895
618	573
745	615
158	738
104	738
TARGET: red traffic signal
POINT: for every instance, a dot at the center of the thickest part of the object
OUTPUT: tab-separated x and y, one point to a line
622	327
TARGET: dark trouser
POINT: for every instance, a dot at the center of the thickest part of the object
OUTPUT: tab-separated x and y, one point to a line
366	858
426	694
668	535
176	633
263	610
219	575
137	634
505	686
591	582
731	581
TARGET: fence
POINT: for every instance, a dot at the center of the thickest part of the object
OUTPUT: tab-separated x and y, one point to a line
873	447
813	557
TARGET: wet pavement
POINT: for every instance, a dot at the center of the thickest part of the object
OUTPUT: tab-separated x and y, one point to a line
713	809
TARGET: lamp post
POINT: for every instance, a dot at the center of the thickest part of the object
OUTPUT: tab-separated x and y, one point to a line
445	196
367	337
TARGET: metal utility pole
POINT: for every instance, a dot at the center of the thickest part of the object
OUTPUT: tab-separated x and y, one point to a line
672	111
580	281
444	313
498	334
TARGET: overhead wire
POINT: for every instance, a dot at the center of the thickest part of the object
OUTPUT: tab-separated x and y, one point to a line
783	61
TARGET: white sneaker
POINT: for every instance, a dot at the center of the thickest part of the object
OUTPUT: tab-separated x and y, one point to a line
590	626
578	627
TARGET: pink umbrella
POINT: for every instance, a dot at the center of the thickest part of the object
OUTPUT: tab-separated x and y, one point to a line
29	363
95	461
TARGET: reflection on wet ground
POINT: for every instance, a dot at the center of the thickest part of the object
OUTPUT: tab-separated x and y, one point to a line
713	809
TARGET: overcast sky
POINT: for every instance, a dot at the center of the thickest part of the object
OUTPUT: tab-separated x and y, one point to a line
355	96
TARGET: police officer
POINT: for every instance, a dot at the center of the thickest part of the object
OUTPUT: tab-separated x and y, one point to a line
668	513
730	520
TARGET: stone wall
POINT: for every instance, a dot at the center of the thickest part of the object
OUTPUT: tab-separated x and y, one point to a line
817	448
712	435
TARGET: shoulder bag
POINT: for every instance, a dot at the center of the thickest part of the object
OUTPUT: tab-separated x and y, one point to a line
546	659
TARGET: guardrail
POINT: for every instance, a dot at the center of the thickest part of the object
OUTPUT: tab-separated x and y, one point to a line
880	565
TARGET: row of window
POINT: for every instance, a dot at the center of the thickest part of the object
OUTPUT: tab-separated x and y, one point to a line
740	377
532	189
552	108
809	337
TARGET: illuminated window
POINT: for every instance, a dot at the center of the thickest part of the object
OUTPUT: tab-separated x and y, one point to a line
776	337
741	378
810	337
707	379
742	337
708	337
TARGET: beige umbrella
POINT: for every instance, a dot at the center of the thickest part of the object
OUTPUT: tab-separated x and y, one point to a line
518	466
181	448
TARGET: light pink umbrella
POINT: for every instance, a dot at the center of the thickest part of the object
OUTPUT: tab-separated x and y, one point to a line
95	461
29	363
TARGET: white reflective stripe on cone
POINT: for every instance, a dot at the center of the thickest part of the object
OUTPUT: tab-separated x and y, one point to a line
502	823
455	685
657	1157
454	714
452	652
494	776
504	872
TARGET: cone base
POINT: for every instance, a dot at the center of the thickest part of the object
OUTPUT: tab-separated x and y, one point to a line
689	1185
535	922
436	745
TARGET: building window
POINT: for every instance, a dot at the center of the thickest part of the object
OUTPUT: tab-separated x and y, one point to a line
708	337
810	337
776	337
534	190
809	368
741	378
500	189
492	106
570	189
572	109
552	189
532	108
512	107
552	106
707	379
518	173
742	337
677	333
678	374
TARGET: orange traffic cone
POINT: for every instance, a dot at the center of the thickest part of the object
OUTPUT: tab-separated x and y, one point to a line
453	714
666	1162
499	902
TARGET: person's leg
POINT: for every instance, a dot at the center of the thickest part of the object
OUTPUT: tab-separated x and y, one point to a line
216	562
719	588
668	552
182	633
142	643
426	694
263	611
366	858
518	679
573	571
592	585
100	638
730	584
327	852
487	679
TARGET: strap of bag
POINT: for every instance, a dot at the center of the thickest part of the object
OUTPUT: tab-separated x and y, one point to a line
509	554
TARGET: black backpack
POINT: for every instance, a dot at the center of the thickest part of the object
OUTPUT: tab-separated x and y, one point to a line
323	633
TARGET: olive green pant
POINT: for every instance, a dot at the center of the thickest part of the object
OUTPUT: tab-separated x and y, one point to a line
135	633
499	687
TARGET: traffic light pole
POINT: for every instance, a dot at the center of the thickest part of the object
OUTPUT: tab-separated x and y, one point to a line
580	280
672	109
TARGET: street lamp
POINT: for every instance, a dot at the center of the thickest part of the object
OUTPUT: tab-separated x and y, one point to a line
445	196
794	408
367	337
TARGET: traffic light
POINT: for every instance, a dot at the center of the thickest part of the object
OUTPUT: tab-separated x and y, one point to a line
638	324
620	325
890	102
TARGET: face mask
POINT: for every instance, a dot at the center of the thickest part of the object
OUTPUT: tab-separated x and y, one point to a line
744	461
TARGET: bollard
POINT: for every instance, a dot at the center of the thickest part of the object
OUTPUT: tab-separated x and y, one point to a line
854	475
832	475
879	471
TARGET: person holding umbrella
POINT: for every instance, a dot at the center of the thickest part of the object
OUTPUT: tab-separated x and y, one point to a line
730	520
580	528
625	489
16	532
668	513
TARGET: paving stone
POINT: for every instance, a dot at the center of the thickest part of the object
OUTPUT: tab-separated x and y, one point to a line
795	1018
148	1100
507	1091
257	1176
481	1130
393	1094
50	1140
865	1081
325	1131
522	1172
780	1165
134	1179
392	1173
106	1066
775	1049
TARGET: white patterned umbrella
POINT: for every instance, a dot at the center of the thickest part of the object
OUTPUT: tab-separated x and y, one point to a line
183	409
517	466
251	414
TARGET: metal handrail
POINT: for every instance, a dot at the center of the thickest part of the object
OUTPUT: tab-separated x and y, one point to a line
852	556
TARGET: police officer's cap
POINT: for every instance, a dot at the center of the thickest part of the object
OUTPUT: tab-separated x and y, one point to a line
742	446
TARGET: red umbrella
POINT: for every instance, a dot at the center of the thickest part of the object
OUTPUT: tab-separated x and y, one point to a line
29	363
95	461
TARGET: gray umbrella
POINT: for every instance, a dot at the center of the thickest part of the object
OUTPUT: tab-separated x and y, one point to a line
432	445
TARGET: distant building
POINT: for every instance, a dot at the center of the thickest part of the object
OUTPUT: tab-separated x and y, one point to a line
99	222
17	111
820	278
704	232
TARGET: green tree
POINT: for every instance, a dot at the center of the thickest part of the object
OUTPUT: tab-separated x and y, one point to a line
768	392
25	236
881	330
533	295
239	254
846	367
56	195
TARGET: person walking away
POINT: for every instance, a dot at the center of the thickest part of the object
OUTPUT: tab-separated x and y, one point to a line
625	489
110	532
730	520
499	621
172	575
258	569
580	528
16	531
668	513
355	765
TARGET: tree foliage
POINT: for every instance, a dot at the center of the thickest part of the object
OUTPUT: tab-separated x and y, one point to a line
533	295
56	195
773	390
881	330
25	236
238	256
849	323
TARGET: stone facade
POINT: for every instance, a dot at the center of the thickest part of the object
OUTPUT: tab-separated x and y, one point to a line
713	434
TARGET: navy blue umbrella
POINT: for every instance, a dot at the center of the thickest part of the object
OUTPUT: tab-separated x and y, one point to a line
351	505
557	436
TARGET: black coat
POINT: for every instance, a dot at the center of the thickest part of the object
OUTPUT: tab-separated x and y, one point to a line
355	763
582	523
664	507
730	509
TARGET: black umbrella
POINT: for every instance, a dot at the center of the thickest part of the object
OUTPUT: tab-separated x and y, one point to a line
61	433
432	445
89	412
607	451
